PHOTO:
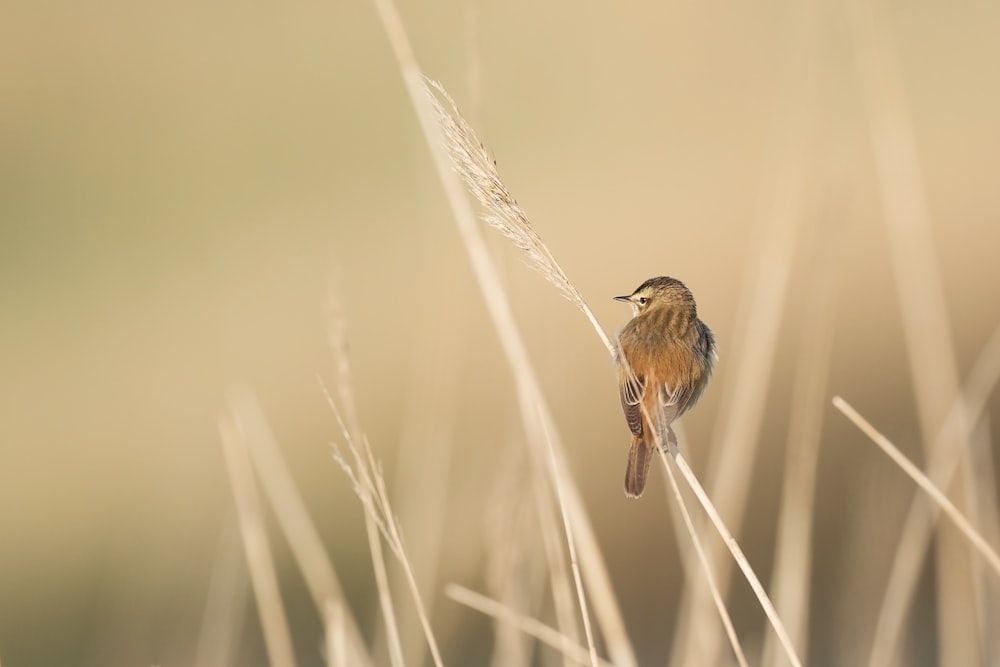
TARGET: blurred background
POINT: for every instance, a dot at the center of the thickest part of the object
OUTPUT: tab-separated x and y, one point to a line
180	183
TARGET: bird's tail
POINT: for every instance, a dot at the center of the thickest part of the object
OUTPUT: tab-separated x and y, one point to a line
639	458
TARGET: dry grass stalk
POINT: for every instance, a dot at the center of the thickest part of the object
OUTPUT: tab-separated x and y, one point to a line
473	162
923	481
563	594
258	554
741	560
225	603
525	624
921	294
393	639
736	438
539	428
919	523
369	486
514	574
690	562
420	483
561	583
529	392
793	552
293	518
335	640
595	571
467	152
571	545
706	567
478	169
522	513
987	588
731	544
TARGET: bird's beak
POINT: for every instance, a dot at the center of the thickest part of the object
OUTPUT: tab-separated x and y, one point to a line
626	299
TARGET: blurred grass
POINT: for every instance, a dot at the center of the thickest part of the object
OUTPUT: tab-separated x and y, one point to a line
173	181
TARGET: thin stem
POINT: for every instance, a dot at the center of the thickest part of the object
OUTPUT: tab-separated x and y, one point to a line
740	558
929	345
226	601
370	489
563	595
525	624
384	594
273	622
923	481
706	567
790	583
908	561
529	392
334	634
293	517
411	580
572	549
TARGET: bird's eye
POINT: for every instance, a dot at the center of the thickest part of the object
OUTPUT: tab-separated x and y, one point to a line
643	301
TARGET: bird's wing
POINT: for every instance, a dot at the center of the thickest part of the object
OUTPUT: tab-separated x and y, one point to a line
630	388
673	402
687	394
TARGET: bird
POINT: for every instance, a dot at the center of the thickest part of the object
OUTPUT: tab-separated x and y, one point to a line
664	357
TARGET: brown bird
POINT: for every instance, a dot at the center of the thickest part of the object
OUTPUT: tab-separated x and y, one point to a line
664	357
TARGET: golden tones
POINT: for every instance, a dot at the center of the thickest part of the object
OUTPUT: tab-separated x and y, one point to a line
665	355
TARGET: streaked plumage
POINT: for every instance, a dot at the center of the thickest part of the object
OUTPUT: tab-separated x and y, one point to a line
665	357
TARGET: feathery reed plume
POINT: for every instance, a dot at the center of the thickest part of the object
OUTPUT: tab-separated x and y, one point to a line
420	481
478	169
336	323
533	407
369	486
471	160
532	402
537	417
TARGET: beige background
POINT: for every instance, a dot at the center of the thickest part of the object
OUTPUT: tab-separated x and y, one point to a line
179	180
